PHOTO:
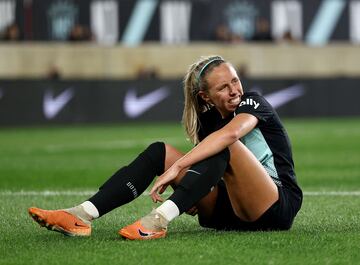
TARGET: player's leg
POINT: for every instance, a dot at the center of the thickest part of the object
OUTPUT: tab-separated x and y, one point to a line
124	186
248	192
197	186
250	188
248	199
205	206
131	181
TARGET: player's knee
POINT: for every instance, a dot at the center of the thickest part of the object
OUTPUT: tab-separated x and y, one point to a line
215	164
156	148
172	151
156	154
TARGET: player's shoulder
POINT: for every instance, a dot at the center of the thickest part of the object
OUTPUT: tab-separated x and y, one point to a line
209	114
253	97
248	94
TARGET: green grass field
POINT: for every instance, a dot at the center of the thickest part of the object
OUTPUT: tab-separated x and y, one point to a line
59	167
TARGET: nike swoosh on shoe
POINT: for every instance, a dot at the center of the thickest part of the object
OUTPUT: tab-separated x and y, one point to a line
141	233
80	225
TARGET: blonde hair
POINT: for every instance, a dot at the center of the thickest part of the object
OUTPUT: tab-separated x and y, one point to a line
194	82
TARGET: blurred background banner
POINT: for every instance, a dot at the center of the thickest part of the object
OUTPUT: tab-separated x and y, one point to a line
72	61
97	101
46	102
170	21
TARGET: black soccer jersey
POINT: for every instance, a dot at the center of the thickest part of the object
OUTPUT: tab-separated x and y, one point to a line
268	141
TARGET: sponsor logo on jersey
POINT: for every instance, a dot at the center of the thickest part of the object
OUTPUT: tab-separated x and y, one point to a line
250	102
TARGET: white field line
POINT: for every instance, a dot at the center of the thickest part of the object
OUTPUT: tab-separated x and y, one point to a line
110	145
45	193
102	145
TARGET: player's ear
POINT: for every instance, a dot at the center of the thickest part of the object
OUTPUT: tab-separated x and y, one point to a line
204	96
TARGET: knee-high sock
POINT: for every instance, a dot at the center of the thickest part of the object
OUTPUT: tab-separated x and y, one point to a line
130	181
199	180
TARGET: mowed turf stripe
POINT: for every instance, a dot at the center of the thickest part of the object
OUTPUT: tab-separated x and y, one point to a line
146	193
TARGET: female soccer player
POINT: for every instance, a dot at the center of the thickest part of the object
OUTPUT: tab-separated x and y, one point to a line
239	176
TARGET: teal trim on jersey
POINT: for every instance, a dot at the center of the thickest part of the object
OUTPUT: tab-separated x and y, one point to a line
139	22
257	144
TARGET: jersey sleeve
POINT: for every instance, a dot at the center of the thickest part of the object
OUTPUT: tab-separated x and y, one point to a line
255	104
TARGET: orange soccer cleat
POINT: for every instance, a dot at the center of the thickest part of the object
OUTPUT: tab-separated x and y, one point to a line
136	231
140	229
60	221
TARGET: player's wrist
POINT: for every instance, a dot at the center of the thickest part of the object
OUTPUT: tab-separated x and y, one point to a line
178	165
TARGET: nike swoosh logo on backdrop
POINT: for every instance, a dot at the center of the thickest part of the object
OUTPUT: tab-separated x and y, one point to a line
53	105
284	96
134	105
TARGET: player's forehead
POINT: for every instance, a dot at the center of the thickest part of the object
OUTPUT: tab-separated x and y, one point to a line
221	73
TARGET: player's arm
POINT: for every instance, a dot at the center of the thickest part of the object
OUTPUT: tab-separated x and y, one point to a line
217	141
214	143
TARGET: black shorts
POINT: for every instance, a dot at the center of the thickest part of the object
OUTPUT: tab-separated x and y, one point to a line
279	216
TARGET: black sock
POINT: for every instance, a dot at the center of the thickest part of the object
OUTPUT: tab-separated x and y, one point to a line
199	180
130	181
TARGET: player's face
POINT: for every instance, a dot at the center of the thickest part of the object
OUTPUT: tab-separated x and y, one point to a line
224	89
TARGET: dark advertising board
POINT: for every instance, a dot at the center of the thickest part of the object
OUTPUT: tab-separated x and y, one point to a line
31	102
